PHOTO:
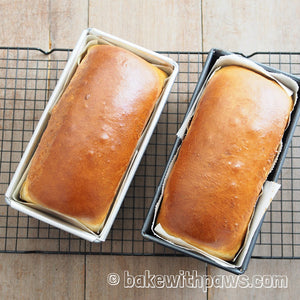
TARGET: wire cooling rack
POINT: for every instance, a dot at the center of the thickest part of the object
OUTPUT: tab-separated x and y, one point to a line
27	79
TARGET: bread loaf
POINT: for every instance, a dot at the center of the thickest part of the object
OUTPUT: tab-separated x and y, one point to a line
224	160
92	134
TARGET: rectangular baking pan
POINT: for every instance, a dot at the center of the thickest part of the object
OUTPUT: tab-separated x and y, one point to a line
147	232
12	193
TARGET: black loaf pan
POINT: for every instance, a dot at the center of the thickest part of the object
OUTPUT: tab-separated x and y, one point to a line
147	232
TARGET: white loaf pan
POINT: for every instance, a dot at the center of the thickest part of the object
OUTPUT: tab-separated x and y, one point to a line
90	36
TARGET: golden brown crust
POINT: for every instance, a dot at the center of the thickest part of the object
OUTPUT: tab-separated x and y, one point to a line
224	160
92	134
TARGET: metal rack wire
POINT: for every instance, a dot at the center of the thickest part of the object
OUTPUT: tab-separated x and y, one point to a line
27	78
